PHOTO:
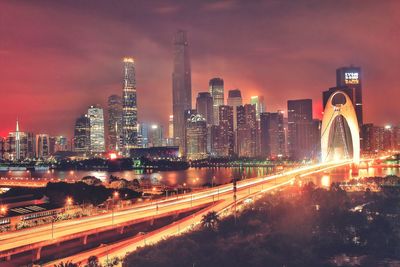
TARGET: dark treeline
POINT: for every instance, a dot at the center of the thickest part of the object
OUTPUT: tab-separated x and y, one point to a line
80	192
306	226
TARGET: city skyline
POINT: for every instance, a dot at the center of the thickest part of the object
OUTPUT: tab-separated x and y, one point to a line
90	69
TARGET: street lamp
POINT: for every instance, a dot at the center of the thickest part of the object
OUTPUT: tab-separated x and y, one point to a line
69	202
115	196
53	218
3	210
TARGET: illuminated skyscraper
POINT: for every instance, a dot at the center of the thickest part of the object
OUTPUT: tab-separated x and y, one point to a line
17	142
272	134
114	122
82	134
246	131
204	106
216	88
129	107
196	137
222	139
42	146
234	100
303	131
181	86
259	102
96	121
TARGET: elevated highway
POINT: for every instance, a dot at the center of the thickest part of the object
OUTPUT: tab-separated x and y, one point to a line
35	238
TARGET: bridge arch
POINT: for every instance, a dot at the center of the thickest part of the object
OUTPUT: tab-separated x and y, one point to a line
340	116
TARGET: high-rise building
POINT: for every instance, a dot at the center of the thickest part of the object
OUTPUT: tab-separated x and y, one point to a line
378	138
272	133
114	122
226	141
204	106
42	146
82	134
234	100
58	143
246	131
196	137
181	87
155	135
301	130
143	135
186	115
170	138
129	107
259	102
348	80
216	89
2	147
96	122
171	127
24	149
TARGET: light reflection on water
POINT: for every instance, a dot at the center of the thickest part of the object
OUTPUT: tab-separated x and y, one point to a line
192	176
200	176
345	174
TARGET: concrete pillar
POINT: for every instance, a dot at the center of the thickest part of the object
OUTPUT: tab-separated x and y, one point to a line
84	239
36	254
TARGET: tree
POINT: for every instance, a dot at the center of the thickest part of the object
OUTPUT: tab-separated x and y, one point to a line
93	261
66	264
210	220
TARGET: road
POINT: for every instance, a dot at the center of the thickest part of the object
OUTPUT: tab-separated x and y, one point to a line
222	194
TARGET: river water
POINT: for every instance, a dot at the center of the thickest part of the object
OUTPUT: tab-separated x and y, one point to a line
195	177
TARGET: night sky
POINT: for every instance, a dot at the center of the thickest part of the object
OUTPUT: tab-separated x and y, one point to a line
58	57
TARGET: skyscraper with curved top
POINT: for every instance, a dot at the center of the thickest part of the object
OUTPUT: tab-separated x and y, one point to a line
216	87
181	86
129	107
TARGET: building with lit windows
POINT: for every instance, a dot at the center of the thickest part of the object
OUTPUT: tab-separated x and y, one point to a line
114	123
96	122
42	146
246	131
196	137
129	107
204	106
272	131
222	135
82	135
259	102
181	87
216	89
302	130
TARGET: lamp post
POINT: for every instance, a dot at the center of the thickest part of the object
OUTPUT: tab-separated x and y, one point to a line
115	196
68	202
212	186
53	218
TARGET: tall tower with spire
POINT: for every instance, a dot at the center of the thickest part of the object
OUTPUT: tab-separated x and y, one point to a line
17	142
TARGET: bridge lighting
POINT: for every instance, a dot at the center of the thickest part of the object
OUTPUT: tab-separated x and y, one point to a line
69	201
3	210
116	194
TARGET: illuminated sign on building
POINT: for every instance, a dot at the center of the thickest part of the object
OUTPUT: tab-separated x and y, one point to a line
351	78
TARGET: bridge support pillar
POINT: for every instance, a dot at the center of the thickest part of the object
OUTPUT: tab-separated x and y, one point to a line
8	257
36	254
121	230
84	239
